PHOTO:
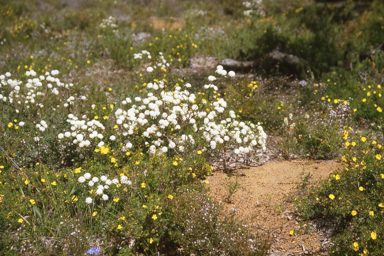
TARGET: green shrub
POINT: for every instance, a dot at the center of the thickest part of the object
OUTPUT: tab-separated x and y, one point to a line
351	198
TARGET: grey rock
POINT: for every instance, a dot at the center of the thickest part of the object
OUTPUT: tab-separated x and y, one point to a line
238	66
284	58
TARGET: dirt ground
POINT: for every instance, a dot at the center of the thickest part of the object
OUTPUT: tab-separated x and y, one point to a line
264	201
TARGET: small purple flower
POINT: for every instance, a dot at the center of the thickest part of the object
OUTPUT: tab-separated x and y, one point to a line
93	250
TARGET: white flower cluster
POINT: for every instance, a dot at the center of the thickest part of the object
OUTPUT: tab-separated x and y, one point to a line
196	12
165	118
35	91
41	126
221	71
83	132
102	184
108	23
160	62
140	55
254	8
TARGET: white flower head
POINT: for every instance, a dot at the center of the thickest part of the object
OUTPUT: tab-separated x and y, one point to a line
87	175
81	179
88	200
211	78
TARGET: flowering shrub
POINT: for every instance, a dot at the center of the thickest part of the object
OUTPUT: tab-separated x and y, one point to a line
114	166
352	198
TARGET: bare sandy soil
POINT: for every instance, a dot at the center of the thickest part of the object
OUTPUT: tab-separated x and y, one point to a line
264	201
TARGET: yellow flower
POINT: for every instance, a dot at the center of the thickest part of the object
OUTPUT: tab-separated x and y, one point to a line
75	198
331	196
364	100
53	183
206	181
371	213
77	170
381	205
373	235
353	213
363	139
199	152
104	150
175	163
378	157
356	245
291	233
94	214
26	182
43	180
170	197
379	109
346	144
354	159
361	188
111	105
32	201
105	117
154	217
150	240
122	218
143	185
128	153
337	177
382	176
194	175
10	125
96	117
20	220
116	199
113	160
119	227
144	206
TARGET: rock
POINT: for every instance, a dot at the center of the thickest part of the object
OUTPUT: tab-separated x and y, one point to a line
284	58
237	66
199	63
286	63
